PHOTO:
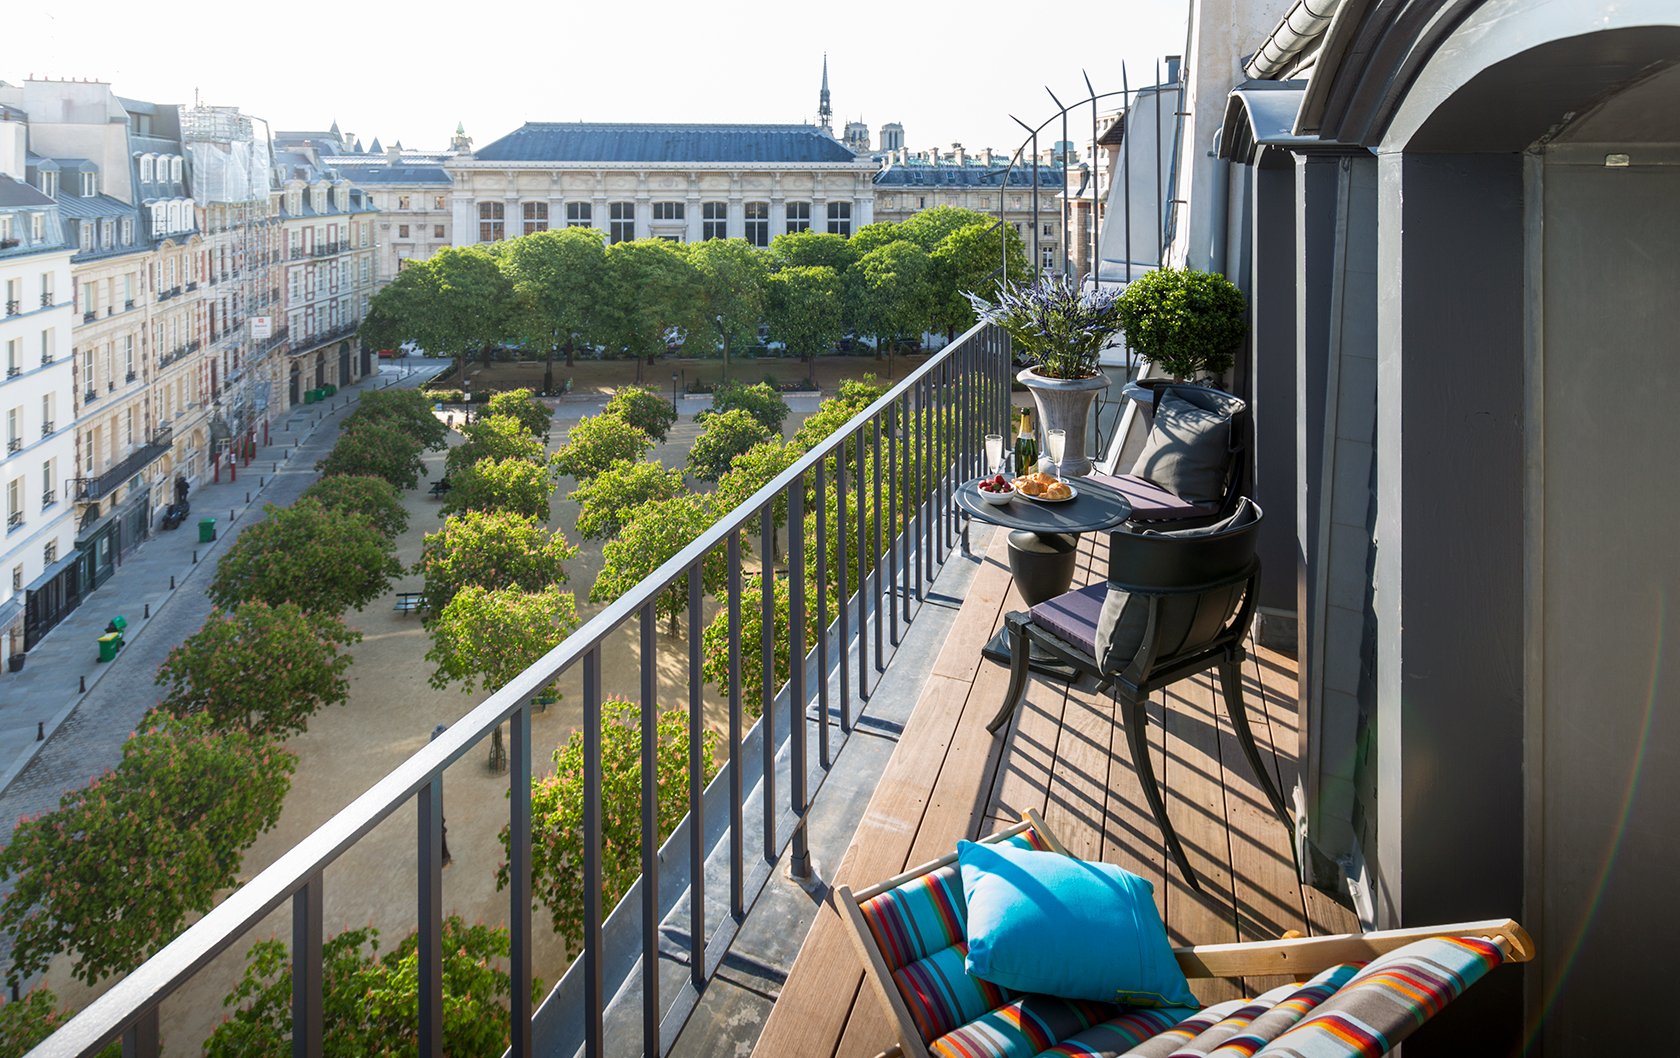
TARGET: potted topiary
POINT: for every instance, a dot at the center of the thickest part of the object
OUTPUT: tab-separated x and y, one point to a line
1187	324
1063	329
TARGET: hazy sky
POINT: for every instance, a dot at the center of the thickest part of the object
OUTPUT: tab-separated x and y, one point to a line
946	71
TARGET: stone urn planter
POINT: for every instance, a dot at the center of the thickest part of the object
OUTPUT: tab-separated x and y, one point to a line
1065	404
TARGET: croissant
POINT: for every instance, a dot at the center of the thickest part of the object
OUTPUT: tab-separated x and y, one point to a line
1057	491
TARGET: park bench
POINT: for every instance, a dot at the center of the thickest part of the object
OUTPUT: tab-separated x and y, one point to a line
410	602
439	487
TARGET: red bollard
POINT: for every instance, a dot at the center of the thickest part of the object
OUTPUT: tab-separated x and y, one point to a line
233	469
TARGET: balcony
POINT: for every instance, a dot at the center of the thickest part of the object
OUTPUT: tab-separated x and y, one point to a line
13	371
49	499
89	316
14	444
12	307
47	428
14	521
91	489
47	299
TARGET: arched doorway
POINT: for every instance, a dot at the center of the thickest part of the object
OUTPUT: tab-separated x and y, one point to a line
293	393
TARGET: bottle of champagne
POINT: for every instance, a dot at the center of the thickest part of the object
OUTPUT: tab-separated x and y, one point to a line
1026	445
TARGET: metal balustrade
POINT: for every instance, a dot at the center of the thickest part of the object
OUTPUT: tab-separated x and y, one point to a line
931	427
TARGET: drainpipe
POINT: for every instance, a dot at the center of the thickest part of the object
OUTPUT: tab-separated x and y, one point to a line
1218	237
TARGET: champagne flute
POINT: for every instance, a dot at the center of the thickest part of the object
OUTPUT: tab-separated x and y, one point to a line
994	453
1056	442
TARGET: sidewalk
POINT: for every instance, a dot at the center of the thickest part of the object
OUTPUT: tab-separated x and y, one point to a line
63	719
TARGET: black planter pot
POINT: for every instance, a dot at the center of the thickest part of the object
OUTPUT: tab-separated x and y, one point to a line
15	662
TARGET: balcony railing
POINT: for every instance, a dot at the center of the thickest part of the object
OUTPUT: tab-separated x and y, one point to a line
46	299
930	427
47	428
12	307
89	316
95	488
14	371
14	444
48	499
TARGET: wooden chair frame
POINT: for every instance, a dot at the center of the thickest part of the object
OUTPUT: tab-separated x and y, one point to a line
1299	957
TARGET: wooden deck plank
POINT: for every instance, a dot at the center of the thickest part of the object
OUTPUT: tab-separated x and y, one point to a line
1064	754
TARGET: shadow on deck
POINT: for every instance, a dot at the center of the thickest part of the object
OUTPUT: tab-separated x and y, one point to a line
1065	755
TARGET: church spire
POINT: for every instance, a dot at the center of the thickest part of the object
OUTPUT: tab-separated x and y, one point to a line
825	111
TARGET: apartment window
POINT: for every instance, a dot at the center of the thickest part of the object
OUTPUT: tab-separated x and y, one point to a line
89	303
37	226
90	185
1049	256
48	482
5	227
402	231
437	231
490	217
714	223
49	183
14	516
440	202
534	217
402	201
46	288
798	216
840	218
17	578
46	414
146	170
667	211
49	553
1049	229
758	223
621	225
14	429
87	371
579	215
107	234
14	357
128	355
49	345
921	201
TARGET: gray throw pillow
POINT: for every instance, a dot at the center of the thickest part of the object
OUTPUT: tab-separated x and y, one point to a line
1120	629
1187	450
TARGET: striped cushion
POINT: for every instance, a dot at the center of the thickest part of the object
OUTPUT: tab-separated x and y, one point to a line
1023	1027
921	930
1389	999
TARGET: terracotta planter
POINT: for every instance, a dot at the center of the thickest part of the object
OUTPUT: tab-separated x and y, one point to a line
1065	404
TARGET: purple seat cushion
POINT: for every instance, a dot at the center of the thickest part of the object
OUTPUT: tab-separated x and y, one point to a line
1100	613
1073	616
1152	503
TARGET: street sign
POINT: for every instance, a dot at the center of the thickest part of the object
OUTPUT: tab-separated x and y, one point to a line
262	327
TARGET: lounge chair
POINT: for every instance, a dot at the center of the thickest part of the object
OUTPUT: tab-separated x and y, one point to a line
1362	994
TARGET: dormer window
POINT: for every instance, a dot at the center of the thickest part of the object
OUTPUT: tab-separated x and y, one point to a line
127	231
90	185
37	226
146	170
49	183
294	203
85	235
175	170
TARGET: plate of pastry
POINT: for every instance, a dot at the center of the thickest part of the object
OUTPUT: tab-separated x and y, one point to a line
1042	488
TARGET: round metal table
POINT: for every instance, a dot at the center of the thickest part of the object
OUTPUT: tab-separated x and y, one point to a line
1044	546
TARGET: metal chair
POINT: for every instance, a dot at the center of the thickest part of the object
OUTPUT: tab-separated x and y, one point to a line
1175	604
1153	503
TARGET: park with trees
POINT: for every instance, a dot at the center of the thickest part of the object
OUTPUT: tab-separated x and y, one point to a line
635	483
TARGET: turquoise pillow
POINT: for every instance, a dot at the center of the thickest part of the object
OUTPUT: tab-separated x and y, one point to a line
1047	923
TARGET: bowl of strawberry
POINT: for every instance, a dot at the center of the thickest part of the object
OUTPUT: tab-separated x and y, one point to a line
995	490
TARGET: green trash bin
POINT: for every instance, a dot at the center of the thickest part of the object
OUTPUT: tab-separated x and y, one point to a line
206	530
310	396
119	624
108	644
329	390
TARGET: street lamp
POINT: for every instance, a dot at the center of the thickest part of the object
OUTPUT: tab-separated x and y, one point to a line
673	391
466	389
725	335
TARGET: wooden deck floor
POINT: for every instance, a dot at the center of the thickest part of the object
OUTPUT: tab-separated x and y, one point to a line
1064	755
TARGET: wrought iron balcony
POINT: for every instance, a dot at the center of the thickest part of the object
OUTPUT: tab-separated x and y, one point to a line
14	371
95	488
48	499
871	565
47	428
46	299
89	316
12	307
14	521
14	444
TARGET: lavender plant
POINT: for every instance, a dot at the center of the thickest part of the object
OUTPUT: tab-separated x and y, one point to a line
1056	322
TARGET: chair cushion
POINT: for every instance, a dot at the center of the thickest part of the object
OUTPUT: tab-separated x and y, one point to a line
1245	512
1073	616
1056	925
1188	450
1098	614
1152	503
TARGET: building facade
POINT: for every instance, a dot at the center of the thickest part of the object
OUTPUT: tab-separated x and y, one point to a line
681	182
909	184
36	396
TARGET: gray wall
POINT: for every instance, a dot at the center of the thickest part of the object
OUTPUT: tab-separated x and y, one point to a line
1608	731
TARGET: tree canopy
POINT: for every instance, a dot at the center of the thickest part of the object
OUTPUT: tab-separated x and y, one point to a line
652	289
375	448
113	872
595	443
559	286
522	406
607	498
643	409
373	497
652	534
805	309
759	400
407	409
491	549
726	435
326	561
263	668
493	437
732	276
891	291
811	249
515	485
486	637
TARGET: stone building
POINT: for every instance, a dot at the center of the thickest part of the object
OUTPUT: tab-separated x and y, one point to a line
910	183
410	189
682	182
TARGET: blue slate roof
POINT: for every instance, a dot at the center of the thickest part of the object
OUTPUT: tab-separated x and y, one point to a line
581	141
966	176
17	194
397	174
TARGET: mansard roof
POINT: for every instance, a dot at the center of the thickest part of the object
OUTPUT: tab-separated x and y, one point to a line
538	141
924	175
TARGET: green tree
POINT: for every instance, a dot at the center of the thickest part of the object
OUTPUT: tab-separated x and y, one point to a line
891	292
929	228
652	290
559	286
715	641
492	550
643	409
375	448
407	409
811	249
492	437
732	288
405	309
325	561
557	811
595	443
751	471
806	309
363	494
370	1003
966	262
855	395
609	496
33	1018
652	534
113	872
485	637
522	406
759	399
474	309
264	668
515	485
726	435
873	236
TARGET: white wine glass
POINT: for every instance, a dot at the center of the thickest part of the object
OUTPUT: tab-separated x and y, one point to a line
994	453
1055	443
